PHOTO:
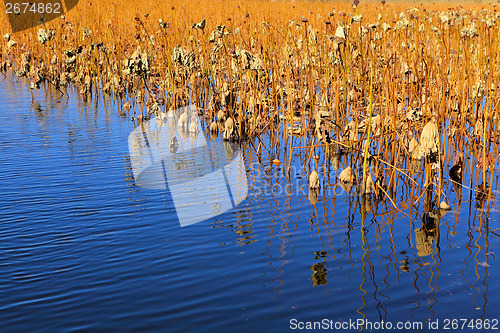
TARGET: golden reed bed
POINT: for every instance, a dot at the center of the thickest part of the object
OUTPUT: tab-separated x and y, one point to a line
389	84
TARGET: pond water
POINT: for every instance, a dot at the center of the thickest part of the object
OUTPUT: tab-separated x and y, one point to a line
84	247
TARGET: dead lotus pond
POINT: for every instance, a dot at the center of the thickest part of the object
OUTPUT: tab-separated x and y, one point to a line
252	165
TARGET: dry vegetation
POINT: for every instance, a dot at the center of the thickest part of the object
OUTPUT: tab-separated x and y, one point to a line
401	89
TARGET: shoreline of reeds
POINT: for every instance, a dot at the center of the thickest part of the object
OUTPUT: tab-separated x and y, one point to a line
400	89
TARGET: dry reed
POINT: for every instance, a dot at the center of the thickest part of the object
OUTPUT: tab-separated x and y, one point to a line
357	80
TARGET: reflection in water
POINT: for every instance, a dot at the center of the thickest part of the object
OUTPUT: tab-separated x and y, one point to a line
313	196
370	259
378	257
64	229
426	235
319	274
204	179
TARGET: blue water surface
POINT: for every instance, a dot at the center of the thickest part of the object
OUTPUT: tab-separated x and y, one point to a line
83	248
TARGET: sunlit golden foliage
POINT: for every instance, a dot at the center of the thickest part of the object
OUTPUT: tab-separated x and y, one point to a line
307	69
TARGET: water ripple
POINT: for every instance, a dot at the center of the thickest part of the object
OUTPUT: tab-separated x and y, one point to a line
83	248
